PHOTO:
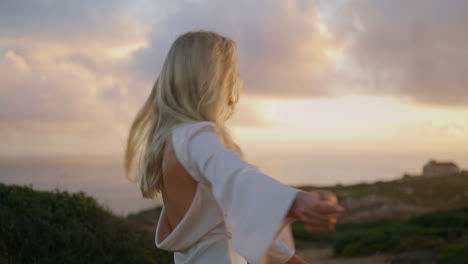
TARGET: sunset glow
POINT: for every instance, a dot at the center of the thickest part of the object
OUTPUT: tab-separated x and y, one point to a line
123	52
364	118
333	54
319	77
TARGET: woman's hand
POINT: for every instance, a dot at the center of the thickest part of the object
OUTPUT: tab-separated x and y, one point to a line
317	209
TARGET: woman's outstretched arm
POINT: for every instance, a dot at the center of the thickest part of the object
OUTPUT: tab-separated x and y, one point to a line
254	204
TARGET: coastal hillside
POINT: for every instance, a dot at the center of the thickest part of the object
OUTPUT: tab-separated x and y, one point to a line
401	198
405	216
410	220
59	227
432	238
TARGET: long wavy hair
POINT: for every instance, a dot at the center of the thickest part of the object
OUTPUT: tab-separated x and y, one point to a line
199	81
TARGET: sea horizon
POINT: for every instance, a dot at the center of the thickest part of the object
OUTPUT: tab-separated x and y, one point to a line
103	177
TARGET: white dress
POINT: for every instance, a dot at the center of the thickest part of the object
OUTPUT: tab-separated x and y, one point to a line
236	211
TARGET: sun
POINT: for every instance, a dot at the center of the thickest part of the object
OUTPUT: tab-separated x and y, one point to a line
333	54
123	52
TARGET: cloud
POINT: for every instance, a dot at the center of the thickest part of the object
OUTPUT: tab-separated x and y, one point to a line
69	60
68	80
89	65
54	20
413	49
250	112
282	47
17	61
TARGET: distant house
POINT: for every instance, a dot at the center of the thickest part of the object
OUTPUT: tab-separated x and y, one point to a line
434	168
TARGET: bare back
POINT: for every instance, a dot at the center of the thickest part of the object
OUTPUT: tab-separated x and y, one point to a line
178	187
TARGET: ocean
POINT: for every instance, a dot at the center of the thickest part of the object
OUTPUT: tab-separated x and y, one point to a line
105	182
108	185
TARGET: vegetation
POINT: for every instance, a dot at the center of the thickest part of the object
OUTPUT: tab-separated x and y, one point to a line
401	198
444	233
59	227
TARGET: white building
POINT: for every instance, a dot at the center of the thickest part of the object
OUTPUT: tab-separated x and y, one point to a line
434	168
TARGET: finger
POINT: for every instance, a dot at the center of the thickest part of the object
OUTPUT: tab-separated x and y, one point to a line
330	224
313	214
322	224
335	215
324	195
319	218
327	208
319	223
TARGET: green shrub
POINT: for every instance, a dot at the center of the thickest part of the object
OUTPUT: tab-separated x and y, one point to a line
426	232
59	227
456	253
299	232
444	233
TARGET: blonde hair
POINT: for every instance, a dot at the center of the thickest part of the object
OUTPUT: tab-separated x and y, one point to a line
198	82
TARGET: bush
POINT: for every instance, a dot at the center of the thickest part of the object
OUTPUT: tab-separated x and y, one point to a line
59	227
426	232
444	233
456	253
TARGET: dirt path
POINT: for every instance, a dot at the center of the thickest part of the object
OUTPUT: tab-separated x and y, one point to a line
324	255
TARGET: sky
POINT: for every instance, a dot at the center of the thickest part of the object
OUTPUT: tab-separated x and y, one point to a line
340	83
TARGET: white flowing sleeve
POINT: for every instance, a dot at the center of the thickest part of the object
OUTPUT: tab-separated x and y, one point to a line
282	248
254	204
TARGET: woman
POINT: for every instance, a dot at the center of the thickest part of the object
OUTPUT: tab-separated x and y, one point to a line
217	207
